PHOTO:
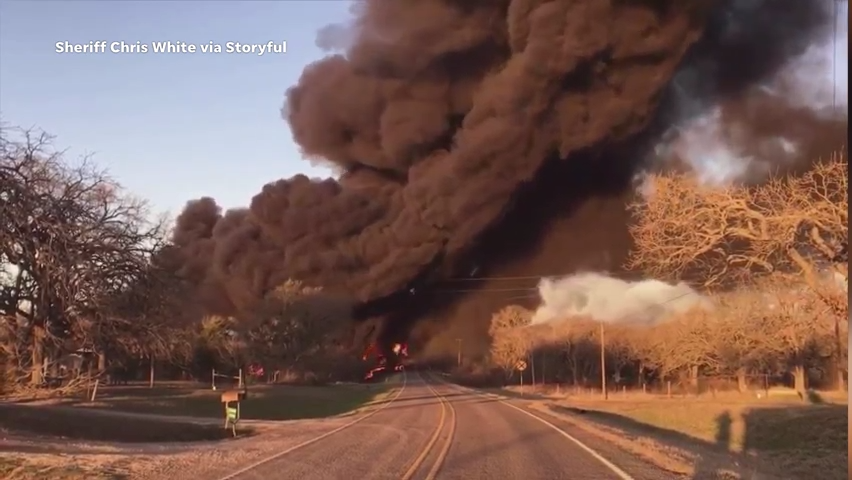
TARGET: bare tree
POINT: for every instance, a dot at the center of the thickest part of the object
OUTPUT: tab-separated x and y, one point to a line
509	343
70	241
682	347
149	318
295	326
774	325
740	338
791	225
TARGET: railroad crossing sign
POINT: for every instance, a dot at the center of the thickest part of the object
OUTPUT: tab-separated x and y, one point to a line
521	365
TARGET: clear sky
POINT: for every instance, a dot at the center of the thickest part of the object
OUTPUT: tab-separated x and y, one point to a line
169	127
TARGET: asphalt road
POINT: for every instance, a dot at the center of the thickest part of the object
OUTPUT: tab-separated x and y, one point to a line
498	440
488	439
380	447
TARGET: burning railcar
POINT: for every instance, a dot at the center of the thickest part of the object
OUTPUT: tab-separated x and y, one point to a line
381	362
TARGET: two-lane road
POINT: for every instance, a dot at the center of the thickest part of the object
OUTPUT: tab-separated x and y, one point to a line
435	431
502	440
382	446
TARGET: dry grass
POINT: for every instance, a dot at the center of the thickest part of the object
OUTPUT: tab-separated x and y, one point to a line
793	438
39	467
735	423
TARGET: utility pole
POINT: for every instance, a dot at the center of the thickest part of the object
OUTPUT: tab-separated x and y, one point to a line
458	360
603	363
532	369
834	57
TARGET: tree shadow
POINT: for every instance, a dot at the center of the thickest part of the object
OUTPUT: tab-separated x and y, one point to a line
706	468
807	441
435	401
525	395
766	442
397	401
814	397
69	424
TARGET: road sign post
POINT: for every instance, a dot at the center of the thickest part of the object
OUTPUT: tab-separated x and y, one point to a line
520	366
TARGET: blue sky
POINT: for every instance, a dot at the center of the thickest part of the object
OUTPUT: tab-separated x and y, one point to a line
168	127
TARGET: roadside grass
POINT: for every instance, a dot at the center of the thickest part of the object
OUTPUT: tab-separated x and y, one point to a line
264	402
19	467
179	412
793	437
70	424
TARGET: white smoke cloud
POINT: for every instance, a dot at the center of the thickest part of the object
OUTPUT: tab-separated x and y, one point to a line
819	78
816	80
610	299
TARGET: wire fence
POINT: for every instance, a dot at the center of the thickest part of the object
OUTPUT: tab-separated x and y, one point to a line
705	386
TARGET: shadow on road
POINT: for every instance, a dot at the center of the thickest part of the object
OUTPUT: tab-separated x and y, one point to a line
418	398
435	401
519	395
477	455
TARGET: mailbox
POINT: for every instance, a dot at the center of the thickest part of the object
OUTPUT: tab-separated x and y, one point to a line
229	396
232	413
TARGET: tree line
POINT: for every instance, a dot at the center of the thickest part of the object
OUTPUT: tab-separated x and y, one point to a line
87	272
89	285
772	260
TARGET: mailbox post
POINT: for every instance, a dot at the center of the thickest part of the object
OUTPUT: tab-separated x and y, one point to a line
232	412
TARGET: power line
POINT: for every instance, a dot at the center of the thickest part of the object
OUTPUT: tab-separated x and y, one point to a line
533	292
519	297
462	290
498	278
659	304
691	292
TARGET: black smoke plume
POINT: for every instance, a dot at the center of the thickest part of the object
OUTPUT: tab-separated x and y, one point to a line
478	138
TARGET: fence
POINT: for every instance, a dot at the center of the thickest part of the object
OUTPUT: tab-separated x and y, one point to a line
718	386
214	375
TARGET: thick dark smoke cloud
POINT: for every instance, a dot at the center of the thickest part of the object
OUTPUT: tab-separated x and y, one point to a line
757	94
495	137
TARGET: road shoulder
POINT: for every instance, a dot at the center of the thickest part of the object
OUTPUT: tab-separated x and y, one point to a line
690	460
636	466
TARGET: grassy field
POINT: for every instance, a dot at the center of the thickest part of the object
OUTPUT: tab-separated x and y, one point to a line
264	402
801	439
194	412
